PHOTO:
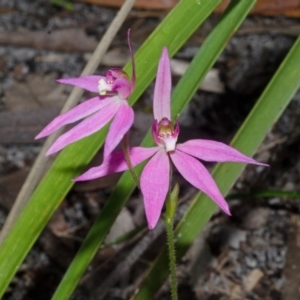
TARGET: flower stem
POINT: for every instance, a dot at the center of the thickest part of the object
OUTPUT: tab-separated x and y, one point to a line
172	259
125	145
171	204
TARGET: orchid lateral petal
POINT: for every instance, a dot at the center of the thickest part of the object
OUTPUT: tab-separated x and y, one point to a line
197	175
120	125
89	83
80	111
123	87
162	90
215	151
116	162
115	73
154	132
155	182
86	127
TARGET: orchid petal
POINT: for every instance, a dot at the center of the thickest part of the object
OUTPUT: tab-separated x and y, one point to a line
123	87
86	127
89	83
215	151
78	112
154	133
123	120
115	73
197	175
162	90
116	162
155	185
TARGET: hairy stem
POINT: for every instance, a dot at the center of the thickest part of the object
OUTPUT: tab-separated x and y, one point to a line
171	205
172	258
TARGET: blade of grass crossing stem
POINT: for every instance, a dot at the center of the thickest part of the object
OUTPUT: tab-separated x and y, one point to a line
265	113
173	31
183	92
265	194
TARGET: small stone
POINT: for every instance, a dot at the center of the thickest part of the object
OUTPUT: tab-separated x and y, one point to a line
236	237
258	243
251	262
277	241
274	201
228	235
261	257
256	218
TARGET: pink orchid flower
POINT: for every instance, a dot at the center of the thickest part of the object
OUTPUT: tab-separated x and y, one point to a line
113	89
155	178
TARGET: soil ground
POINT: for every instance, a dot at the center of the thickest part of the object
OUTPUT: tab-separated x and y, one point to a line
250	255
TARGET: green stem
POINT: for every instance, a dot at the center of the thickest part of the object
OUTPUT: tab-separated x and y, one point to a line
265	193
125	145
172	258
171	205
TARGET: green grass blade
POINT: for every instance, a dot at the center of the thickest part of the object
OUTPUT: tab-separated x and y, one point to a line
183	92
176	28
265	113
265	194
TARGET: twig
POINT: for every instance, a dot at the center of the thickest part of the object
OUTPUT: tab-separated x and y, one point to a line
272	145
40	162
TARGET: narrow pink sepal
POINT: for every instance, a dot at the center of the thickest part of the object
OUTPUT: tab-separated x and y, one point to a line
162	90
116	162
121	123
123	87
79	112
197	175
89	83
215	151
86	127
155	181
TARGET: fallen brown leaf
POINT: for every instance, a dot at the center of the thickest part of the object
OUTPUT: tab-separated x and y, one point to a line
23	125
153	4
289	8
36	92
73	39
10	186
29	106
249	284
